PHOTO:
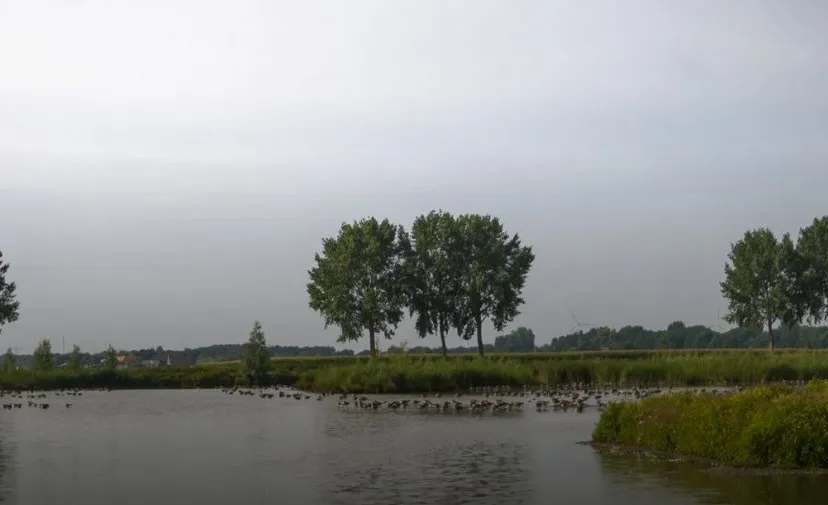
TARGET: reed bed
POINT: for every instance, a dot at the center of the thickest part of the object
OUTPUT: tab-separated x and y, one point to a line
425	373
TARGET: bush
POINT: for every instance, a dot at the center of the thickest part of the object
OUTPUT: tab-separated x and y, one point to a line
772	426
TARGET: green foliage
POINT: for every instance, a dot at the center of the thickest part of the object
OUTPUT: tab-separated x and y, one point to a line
432	280
769	426
255	360
43	359
415	374
357	283
9	361
135	378
624	368
9	306
808	273
74	363
521	339
492	271
110	361
755	282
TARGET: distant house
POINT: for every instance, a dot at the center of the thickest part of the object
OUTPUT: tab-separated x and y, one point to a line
122	361
178	360
150	363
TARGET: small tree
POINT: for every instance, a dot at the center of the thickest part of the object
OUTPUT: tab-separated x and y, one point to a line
8	303
755	284
74	363
9	362
255	359
110	361
43	359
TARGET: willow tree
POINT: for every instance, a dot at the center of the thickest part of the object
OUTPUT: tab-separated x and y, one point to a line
756	284
9	305
492	268
433	283
358	281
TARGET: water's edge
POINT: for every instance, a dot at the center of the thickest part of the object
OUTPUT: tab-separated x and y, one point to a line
711	465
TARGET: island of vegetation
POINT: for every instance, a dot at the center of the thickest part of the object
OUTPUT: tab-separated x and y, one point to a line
767	280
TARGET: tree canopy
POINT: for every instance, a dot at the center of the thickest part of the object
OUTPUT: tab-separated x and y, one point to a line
9	306
808	273
769	280
357	283
432	281
755	281
450	273
493	270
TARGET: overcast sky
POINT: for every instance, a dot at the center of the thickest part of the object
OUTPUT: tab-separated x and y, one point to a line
169	168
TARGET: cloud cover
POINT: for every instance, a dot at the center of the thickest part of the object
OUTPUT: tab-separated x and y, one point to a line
169	168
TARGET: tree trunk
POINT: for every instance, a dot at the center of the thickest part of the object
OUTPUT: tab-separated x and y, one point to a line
770	333
479	324
443	340
372	342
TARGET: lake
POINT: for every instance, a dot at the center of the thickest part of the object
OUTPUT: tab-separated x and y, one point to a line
207	447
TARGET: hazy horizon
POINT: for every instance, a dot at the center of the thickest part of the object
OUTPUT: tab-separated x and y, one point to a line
168	170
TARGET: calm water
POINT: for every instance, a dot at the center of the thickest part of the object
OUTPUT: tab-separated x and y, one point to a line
205	447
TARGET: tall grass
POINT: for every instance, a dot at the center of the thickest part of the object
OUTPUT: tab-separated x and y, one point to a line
776	426
423	373
416	374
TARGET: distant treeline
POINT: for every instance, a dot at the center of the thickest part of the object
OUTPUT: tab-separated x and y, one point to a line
676	336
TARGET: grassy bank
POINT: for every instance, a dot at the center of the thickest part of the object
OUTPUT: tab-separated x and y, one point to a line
434	373
772	426
138	378
418	374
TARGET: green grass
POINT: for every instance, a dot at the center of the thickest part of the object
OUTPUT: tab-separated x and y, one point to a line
771	426
422	373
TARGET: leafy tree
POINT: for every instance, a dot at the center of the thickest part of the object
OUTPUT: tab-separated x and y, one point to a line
755	284
492	269
74	363
9	306
432	281
676	325
808	274
519	340
357	283
255	360
9	361
43	361
110	361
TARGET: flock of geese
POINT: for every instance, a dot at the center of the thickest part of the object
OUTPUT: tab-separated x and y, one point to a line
576	397
33	398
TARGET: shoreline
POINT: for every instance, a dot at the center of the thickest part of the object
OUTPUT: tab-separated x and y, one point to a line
713	466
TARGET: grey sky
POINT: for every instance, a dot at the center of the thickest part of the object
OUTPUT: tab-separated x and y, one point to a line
169	168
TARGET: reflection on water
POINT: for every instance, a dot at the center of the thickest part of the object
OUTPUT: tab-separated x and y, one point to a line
7	449
715	487
140	447
407	458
